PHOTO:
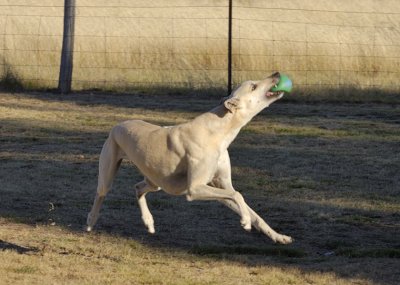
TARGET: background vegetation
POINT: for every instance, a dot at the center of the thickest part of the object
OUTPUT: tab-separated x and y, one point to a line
130	45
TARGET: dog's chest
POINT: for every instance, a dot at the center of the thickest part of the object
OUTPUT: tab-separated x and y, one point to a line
227	140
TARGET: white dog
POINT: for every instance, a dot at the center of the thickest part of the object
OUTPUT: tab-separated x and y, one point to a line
188	159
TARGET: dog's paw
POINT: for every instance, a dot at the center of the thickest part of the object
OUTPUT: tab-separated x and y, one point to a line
247	228
151	230
246	224
88	229
149	223
282	239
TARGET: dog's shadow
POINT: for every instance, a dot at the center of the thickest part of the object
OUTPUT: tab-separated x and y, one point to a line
4	245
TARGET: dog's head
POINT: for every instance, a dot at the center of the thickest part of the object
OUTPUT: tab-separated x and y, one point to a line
253	96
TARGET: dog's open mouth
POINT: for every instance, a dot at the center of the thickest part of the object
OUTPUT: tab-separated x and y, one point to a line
276	93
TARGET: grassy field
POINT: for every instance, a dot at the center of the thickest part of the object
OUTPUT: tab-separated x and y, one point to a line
326	173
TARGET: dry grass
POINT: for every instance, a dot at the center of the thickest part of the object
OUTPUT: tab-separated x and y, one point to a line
54	255
327	174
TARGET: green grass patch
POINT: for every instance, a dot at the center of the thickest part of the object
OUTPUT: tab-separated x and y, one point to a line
356	220
26	269
374	253
248	250
350	94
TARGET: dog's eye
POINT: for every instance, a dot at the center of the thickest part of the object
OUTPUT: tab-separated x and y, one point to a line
253	87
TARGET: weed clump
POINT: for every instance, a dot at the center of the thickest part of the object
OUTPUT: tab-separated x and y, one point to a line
10	81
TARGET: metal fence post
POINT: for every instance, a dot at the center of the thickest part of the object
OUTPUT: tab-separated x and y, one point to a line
230	48
67	53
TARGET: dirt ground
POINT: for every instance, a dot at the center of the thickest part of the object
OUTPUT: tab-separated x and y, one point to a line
325	173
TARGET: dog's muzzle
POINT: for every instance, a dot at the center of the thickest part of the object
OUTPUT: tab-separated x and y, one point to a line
271	94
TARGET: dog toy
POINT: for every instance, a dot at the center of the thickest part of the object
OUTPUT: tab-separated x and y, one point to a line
285	84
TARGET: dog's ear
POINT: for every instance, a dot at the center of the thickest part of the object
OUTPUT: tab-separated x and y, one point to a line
231	104
223	99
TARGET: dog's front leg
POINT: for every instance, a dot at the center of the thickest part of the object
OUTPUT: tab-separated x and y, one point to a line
261	225
223	179
198	176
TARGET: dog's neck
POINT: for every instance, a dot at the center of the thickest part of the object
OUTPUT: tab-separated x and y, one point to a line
221	124
234	120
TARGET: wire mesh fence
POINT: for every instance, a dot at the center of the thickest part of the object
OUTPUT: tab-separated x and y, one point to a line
352	45
124	45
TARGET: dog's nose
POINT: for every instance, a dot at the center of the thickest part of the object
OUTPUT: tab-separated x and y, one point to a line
276	77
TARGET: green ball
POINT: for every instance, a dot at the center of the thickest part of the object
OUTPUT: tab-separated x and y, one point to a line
285	85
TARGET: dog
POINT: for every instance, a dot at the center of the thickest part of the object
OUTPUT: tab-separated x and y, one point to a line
189	159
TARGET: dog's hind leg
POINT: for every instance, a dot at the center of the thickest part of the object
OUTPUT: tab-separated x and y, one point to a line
142	188
110	160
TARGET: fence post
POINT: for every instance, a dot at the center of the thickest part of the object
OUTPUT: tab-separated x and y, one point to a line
230	48
67	53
